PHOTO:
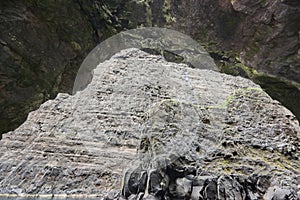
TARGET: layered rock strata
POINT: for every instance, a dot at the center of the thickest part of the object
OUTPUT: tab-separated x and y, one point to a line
145	128
42	42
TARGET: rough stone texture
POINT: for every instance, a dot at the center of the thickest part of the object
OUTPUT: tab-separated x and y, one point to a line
261	34
44	42
265	33
178	132
270	36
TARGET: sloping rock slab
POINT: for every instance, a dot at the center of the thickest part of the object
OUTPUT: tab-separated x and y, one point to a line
166	130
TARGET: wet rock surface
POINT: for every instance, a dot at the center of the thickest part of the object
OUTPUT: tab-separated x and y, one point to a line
145	128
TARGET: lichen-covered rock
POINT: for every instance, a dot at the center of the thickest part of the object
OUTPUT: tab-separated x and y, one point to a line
261	34
42	42
264	33
145	128
270	36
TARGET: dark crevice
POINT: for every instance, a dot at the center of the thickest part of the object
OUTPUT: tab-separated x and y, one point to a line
90	19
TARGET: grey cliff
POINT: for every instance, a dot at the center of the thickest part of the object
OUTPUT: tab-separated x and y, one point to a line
145	128
43	43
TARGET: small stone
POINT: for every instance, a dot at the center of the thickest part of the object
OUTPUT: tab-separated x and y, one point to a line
181	189
277	193
196	193
150	197
158	183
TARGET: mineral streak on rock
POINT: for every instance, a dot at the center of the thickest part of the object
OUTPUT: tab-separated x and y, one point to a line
145	128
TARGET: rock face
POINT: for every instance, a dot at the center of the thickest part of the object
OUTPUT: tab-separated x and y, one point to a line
265	33
41	47
145	128
271	36
44	42
262	34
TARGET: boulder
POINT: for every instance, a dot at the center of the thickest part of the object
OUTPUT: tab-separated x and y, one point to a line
43	43
145	128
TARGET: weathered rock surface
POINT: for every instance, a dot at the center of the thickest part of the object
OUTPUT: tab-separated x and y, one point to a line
264	32
175	132
42	43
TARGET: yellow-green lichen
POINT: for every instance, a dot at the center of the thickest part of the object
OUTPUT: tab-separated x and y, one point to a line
149	13
277	160
230	98
251	160
76	46
167	13
223	105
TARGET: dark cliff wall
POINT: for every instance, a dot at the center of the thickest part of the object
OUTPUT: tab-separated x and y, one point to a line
43	42
254	39
264	33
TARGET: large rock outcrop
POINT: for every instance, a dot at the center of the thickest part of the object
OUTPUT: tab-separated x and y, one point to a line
167	130
42	42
